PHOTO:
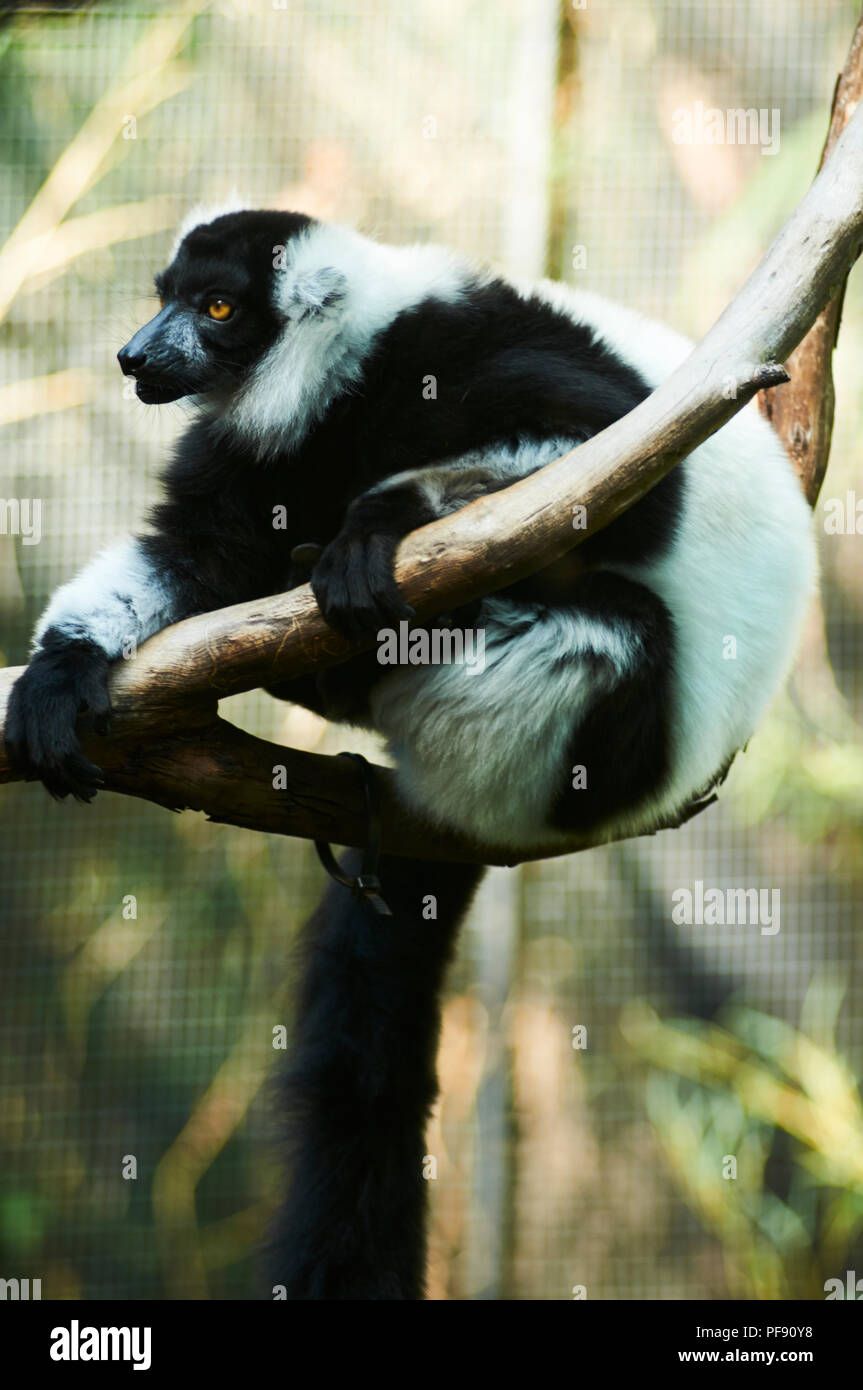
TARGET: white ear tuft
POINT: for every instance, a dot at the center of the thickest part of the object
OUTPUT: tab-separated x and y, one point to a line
316	292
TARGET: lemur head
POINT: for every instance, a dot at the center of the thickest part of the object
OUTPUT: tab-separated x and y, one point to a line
268	317
220	307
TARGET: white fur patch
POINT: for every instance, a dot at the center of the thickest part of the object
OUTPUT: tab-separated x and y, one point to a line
117	599
738	577
321	351
486	753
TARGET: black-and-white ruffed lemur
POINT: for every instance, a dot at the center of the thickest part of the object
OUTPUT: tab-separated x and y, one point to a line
307	349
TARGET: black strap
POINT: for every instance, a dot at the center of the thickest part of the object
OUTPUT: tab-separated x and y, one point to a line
366	885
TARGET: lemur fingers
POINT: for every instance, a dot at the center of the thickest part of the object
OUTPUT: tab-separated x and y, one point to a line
64	679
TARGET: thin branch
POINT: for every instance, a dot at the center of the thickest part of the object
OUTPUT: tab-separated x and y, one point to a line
169	692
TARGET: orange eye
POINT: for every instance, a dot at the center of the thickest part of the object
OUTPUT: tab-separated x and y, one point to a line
220	310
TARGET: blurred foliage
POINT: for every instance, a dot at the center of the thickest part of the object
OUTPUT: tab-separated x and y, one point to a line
722	1104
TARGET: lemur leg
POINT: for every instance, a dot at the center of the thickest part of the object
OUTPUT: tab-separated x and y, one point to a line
496	753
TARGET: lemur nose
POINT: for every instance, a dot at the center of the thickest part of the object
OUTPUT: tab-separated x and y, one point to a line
130	362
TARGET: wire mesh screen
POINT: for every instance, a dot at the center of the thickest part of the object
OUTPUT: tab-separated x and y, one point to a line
594	1051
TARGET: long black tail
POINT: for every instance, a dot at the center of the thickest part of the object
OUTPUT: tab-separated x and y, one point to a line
361	1081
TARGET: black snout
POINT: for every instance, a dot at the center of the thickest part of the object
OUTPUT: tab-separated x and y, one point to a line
139	350
130	362
153	359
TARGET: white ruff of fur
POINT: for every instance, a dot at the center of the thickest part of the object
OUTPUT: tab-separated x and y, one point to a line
337	293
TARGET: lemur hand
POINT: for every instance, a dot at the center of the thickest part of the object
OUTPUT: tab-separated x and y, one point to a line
353	581
64	678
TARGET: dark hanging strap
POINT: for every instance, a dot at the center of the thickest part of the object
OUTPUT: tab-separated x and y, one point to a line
366	885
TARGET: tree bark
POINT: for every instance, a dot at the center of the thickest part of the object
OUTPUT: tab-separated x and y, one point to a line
802	412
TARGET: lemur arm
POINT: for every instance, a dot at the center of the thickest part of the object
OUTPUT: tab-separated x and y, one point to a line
116	602
353	581
120	598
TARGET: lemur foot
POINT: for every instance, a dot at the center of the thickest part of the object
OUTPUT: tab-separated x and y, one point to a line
354	584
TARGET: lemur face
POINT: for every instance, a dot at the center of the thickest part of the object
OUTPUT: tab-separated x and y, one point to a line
219	310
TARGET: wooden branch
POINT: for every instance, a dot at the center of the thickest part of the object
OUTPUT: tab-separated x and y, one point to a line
167	695
229	774
802	412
